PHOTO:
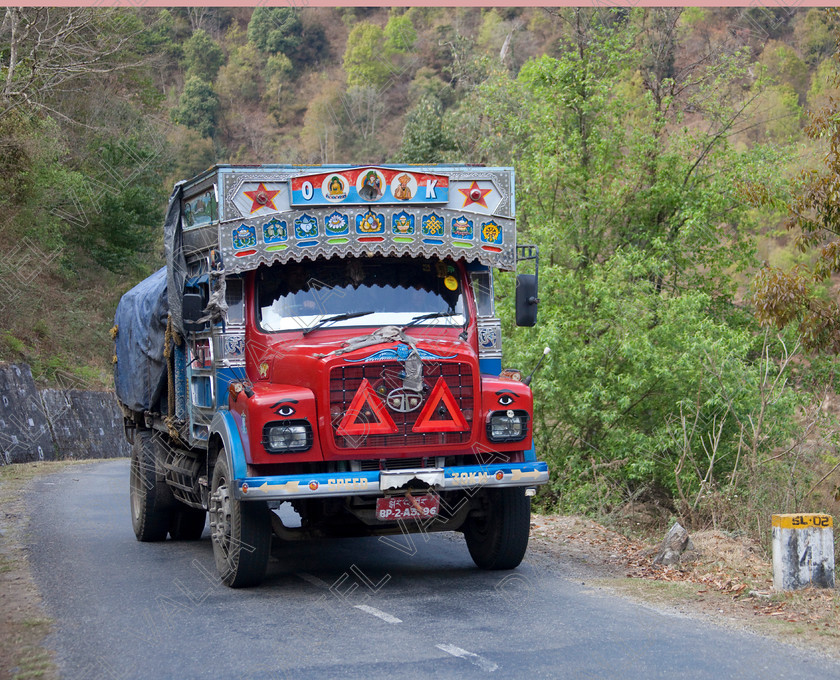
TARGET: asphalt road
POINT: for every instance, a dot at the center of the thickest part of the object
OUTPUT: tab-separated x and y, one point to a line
353	608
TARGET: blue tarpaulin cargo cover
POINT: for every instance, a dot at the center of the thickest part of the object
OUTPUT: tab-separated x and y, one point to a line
140	371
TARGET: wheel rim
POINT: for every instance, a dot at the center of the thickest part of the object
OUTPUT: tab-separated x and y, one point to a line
220	521
135	490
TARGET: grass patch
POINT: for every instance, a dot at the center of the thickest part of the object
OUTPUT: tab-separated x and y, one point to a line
14	477
655	592
34	663
13	344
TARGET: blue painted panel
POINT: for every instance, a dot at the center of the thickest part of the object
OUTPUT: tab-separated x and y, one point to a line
224	377
180	379
490	366
345	478
194	281
225	426
531	454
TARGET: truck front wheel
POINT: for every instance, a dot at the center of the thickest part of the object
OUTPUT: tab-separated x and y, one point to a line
151	501
241	532
497	536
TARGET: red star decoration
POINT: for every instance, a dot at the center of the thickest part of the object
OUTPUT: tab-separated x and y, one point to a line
262	198
475	194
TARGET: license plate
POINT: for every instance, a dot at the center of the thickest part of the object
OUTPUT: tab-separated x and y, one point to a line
399	507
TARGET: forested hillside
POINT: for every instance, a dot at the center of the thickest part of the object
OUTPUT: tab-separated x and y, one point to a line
657	153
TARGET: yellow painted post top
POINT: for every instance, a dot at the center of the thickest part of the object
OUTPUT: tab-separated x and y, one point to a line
803	521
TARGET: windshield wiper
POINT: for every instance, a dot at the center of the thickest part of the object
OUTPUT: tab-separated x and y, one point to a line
336	317
431	315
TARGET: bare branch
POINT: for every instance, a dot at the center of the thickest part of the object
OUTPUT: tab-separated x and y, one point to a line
49	48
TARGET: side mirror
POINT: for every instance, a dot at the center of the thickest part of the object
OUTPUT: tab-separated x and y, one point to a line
192	309
526	299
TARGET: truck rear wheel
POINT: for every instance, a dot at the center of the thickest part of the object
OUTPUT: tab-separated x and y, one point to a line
151	500
498	537
241	532
186	523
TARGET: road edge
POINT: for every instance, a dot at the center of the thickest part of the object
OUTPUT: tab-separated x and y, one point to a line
24	622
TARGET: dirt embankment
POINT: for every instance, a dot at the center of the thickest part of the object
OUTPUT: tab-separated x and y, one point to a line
725	577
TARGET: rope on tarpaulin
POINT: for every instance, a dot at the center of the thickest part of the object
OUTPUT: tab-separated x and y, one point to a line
171	338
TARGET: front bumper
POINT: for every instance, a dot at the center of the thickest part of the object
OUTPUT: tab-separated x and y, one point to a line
332	484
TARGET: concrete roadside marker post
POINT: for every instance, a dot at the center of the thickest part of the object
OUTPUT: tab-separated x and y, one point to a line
803	551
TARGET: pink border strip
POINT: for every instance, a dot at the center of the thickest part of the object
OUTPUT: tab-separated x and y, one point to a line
767	4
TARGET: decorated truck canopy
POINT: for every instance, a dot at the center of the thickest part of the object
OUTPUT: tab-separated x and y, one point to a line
264	214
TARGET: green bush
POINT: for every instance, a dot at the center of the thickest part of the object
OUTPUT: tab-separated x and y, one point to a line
13	344
425	139
275	29
364	60
198	107
202	56
400	34
631	374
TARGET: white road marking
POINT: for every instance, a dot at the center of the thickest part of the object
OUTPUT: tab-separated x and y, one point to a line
378	613
314	580
480	661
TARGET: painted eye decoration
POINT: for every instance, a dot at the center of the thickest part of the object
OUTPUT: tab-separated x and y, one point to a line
285	410
505	399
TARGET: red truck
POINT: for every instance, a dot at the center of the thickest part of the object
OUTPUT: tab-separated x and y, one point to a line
326	337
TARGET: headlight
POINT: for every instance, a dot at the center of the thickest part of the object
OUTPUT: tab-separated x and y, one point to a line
287	436
507	426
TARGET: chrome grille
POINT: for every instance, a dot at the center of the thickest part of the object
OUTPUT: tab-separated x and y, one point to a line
386	376
396	464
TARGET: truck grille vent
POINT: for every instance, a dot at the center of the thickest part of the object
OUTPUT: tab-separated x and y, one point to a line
386	376
396	464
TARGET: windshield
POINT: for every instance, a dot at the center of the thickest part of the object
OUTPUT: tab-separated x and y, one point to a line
382	291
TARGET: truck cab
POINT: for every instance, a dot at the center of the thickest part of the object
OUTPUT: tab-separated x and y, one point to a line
331	342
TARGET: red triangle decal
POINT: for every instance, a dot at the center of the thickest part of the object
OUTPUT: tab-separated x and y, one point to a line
456	421
379	421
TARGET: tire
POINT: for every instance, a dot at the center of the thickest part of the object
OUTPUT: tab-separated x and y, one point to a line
241	532
498	538
151	501
186	523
